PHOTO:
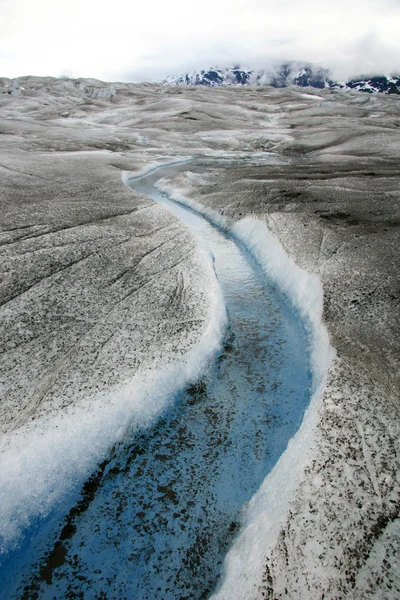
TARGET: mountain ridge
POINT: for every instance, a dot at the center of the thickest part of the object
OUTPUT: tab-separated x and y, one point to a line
284	75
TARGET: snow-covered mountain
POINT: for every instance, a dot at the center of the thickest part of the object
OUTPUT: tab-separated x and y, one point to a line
379	83
293	73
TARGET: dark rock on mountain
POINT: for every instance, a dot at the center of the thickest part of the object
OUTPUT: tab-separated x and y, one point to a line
385	85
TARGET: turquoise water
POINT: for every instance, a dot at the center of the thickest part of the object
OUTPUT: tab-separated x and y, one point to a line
157	519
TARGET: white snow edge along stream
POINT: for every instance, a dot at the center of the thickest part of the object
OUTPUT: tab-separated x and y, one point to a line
266	512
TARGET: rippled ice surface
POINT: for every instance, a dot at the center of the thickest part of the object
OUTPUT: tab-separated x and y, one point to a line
157	520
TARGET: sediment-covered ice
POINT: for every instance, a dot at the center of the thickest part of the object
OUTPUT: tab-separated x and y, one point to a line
330	195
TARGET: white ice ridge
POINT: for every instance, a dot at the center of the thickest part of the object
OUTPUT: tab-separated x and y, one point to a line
45	460
266	512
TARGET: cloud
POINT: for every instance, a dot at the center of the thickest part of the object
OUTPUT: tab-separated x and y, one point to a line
145	41
369	55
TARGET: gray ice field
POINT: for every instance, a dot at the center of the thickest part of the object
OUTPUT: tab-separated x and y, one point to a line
105	294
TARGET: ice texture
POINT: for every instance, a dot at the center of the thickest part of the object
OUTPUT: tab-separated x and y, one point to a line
323	175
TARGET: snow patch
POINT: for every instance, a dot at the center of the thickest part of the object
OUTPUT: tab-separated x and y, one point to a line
312	96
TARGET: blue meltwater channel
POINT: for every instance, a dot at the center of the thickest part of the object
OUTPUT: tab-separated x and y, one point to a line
157	520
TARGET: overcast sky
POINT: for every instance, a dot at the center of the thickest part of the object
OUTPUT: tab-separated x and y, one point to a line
121	40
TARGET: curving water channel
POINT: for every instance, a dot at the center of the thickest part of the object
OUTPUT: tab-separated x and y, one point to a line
157	519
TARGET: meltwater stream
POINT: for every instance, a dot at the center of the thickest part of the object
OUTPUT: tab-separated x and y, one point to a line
158	520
